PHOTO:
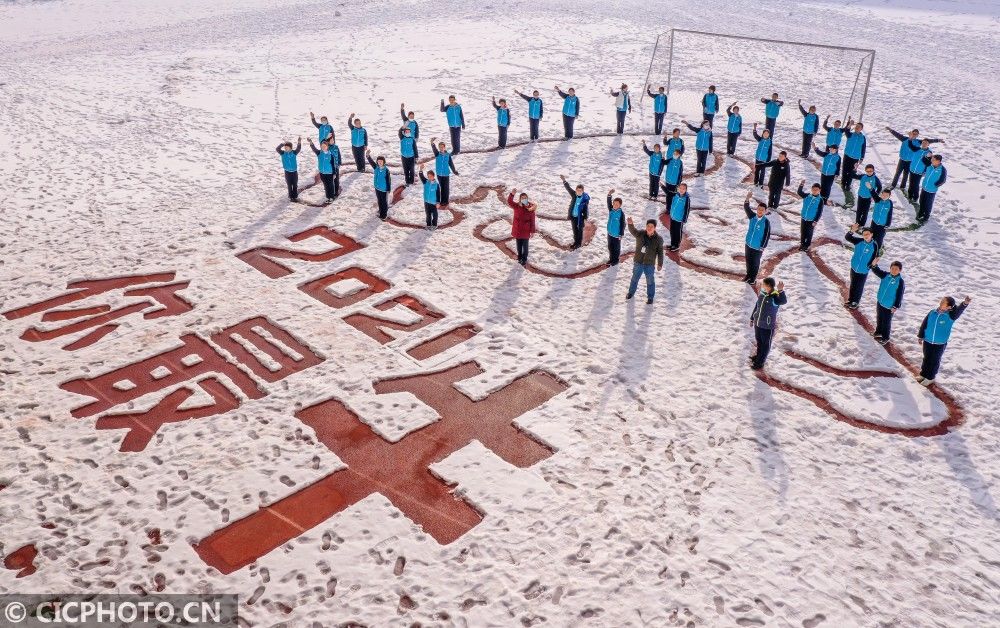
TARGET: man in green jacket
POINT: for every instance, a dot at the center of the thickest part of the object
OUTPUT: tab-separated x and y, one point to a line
648	250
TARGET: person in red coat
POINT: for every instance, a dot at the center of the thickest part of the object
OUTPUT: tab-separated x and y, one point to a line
523	225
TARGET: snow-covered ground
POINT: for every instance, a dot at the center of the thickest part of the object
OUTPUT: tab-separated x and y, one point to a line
139	138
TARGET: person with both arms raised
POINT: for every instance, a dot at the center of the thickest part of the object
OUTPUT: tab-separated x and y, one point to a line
648	251
432	197
456	122
868	190
579	204
680	209
656	164
616	228
673	172
934	333
758	235
535	112
444	165
410	120
709	106
761	155
323	127
659	108
702	144
934	178
290	164
772	107
503	121
359	141
881	216
854	152
623	106
408	154
325	166
908	144
382	182
781	175
829	169
810	214
734	127
888	300
865	256
810	125
522	227
570	110
764	318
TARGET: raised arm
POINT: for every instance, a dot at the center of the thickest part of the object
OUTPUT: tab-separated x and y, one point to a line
879	272
402	112
820	152
757	136
423	179
645	149
896	134
802	190
826	124
278	148
443	107
313	146
433	147
523	95
802	109
350	121
298	147
495	105
691	126
371	161
313	118
562	93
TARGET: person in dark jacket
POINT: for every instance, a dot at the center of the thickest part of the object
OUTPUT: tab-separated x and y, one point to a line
734	127
829	168
359	141
888	300
781	175
290	164
934	332
761	155
908	145
656	164
702	144
410	120
570	110
758	235
764	318
865	256
934	178
616	228
432	197
810	125
407	153
456	122
503	121
444	165
881	216
623	106
382	181
324	164
659	108
648	250
522	227
812	211
869	189
535	113
709	106
680	208
579	203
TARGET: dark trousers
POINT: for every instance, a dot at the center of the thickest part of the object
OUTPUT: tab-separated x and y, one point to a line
807	141
847	172
773	193
327	179
669	190
431	214
501	136
336	183
676	233
769	125
456	139
926	205
568	125
577	224
702	161
902	170
913	191
383	203
825	185
292	181
658	123
753	261
614	249
806	228
522	250
883	321
445	188
932	359
731	143
359	157
861	210
533	128
621	122
708	117
878	234
654	185
408	172
763	337
857	286
758	173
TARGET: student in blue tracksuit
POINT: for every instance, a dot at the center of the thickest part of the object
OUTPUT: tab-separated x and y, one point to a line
656	164
888	300
868	190
934	332
781	175
408	153
734	127
934	178
410	120
810	125
835	133
702	144
359	141
772	107
659	108
290	165
908	144
382	181
881	216
323	127
324	164
456	122
761	156
432	197
444	165
854	152
570	110
673	172
616	228
865	256
623	106
674	142
535	112
810	214
503	121
920	160
579	204
709	106
680	209
758	234
828	171
764	319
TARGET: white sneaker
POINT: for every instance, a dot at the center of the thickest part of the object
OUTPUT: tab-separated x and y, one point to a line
919	378
926	382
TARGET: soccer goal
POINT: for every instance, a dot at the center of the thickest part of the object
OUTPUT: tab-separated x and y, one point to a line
746	69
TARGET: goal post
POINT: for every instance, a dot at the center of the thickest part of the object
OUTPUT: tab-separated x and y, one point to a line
834	78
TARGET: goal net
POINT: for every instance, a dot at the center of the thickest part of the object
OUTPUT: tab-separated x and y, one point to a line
745	69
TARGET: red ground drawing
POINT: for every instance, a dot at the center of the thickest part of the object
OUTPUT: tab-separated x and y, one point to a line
441	343
22	560
375	326
319	288
264	258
